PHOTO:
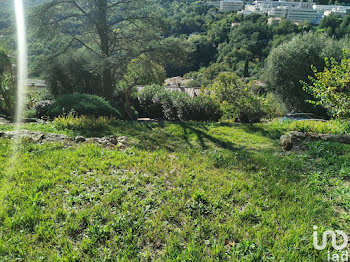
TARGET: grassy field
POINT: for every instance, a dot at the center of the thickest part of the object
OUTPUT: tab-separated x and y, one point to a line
180	192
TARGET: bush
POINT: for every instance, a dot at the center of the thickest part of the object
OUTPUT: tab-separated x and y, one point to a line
180	106
149	101
7	94
193	83
331	88
82	104
205	108
156	102
42	107
236	99
176	105
273	106
251	110
7	87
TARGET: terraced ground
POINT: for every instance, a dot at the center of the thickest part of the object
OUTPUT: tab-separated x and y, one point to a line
179	192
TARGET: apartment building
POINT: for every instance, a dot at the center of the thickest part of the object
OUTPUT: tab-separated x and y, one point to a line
231	5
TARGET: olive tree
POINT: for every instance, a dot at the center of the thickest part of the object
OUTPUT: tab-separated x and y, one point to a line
290	63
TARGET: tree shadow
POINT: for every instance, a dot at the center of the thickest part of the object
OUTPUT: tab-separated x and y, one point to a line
202	136
273	134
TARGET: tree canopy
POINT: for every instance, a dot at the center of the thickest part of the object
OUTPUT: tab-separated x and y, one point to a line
290	63
113	31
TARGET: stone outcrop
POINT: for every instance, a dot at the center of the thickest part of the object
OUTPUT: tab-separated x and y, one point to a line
4	121
295	140
40	137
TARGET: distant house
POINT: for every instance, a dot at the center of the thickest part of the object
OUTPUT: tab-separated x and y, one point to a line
273	20
227	5
178	84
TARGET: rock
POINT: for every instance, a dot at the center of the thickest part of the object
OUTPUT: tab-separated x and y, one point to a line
113	140
4	121
34	136
122	141
39	137
56	138
79	139
295	140
286	142
107	141
344	138
292	141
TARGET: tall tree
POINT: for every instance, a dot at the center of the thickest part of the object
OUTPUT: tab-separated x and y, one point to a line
114	31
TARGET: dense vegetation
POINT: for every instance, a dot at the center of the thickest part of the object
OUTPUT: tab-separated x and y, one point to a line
79	52
7	94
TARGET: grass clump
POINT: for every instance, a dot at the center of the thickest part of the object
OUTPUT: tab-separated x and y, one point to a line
328	127
80	123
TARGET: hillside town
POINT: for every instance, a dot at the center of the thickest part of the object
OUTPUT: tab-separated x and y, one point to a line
296	11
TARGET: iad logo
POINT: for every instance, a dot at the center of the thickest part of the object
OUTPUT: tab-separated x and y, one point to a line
341	256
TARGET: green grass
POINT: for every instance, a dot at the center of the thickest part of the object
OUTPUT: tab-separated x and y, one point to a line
181	192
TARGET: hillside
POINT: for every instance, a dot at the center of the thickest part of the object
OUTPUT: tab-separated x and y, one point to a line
185	191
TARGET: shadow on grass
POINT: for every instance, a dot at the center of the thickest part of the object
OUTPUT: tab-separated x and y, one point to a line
203	136
170	136
273	134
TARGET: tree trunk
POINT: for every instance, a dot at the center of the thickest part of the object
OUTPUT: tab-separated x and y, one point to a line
102	30
107	83
127	103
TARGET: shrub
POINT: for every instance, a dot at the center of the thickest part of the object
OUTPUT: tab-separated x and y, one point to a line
237	100
7	88
7	94
251	110
331	87
176	106
200	108
156	102
273	106
119	101
150	101
205	108
42	107
82	104
193	83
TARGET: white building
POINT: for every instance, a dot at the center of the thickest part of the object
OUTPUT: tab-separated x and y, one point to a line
295	11
231	5
304	14
332	9
280	11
